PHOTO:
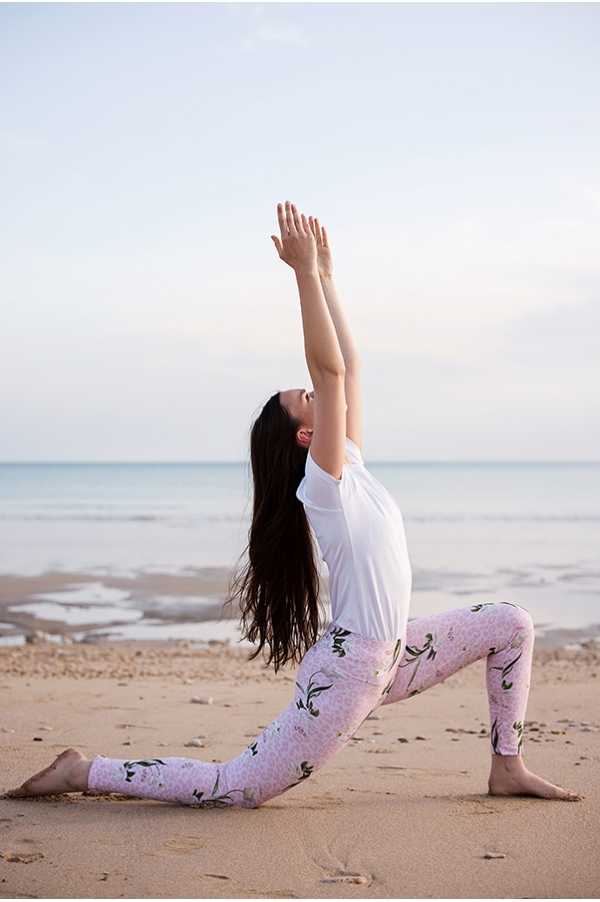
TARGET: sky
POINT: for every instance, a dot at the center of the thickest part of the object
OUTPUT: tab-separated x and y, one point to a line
452	150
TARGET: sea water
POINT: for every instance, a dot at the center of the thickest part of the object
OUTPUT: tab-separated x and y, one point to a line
522	532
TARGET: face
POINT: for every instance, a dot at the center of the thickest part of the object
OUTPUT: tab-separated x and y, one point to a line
301	405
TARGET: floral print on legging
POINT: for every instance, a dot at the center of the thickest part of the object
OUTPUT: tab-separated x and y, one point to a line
341	680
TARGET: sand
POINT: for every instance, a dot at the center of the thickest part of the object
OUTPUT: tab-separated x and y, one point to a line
392	819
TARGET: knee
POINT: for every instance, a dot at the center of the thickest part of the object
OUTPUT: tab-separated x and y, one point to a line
517	619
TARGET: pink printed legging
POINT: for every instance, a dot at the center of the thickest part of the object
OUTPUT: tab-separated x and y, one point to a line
341	680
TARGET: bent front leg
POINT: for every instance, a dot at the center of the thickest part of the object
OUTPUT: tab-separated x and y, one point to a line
438	646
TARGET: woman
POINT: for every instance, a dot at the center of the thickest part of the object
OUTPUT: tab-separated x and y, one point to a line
307	467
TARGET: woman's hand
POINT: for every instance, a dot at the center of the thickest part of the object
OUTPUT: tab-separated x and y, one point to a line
298	245
324	258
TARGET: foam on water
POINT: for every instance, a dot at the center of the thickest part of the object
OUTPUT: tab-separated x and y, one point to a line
76	615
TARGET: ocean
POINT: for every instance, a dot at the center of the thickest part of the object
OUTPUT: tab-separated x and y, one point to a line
522	532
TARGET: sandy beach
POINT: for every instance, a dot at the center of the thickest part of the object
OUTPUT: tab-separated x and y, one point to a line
401	812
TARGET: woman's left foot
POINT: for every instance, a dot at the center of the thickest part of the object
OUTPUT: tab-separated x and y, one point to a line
510	777
67	773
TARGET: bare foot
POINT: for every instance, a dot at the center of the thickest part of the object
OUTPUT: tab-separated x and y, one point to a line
510	777
68	773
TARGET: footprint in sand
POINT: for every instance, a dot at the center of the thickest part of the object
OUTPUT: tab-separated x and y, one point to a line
181	845
23	858
468	806
341	874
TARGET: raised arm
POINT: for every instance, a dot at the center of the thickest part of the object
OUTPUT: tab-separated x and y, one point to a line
297	247
342	328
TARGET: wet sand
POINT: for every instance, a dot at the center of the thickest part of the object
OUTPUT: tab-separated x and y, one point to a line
165	602
161	599
401	812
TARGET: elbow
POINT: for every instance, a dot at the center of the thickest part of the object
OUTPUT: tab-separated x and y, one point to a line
337	372
329	373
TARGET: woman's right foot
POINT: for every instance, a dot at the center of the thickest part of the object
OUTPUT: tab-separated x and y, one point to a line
68	773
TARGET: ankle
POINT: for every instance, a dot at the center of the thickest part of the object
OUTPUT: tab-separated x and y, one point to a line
507	761
506	766
79	774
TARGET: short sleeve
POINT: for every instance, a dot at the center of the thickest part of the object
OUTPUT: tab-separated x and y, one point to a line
320	489
353	452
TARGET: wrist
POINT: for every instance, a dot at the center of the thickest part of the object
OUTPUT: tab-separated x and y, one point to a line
326	276
306	270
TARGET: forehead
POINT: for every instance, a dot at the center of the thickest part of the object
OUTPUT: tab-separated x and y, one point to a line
291	398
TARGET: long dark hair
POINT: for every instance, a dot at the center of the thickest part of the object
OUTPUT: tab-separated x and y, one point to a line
277	587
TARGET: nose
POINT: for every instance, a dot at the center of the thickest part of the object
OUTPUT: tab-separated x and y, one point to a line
311	395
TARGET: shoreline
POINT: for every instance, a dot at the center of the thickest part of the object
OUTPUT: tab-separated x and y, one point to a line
185	605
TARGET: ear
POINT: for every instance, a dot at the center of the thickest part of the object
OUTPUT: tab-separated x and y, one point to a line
304	437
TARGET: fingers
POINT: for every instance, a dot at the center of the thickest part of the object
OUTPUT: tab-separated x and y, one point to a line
290	219
317	232
293	223
298	219
278	245
281	218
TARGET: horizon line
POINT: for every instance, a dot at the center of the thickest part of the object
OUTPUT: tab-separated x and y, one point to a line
165	462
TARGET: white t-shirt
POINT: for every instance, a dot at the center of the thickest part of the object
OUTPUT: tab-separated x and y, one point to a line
361	535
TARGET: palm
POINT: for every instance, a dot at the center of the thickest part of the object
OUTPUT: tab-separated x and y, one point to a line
324	261
324	257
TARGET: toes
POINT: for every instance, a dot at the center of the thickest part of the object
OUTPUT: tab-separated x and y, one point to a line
13	794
